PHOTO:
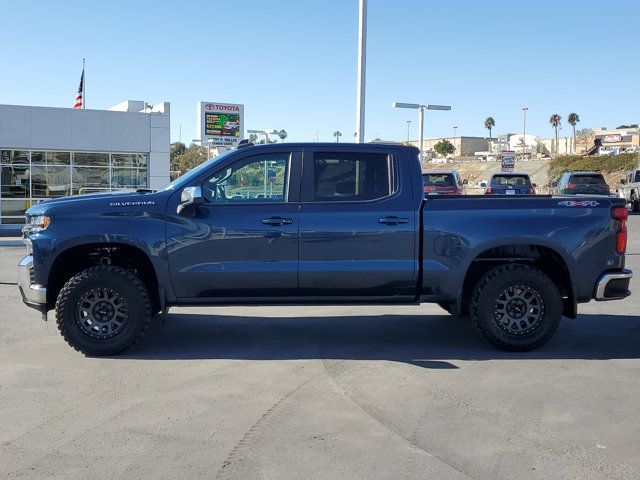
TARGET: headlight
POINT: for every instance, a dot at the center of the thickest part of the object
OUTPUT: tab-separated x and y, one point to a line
39	223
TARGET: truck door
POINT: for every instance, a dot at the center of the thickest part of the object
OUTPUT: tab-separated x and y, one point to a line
357	225
243	240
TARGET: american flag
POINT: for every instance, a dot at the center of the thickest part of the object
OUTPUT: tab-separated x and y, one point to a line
79	103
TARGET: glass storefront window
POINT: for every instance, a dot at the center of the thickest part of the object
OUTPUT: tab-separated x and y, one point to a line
91	159
10	157
90	180
137	160
14	181
27	178
50	181
51	158
128	178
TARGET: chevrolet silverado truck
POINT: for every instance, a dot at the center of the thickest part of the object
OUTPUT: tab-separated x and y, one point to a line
318	224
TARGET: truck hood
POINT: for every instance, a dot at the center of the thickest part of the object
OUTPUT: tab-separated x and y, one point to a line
97	202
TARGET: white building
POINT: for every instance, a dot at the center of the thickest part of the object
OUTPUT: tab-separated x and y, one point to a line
52	152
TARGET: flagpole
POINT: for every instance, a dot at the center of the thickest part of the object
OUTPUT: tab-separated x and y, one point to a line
84	87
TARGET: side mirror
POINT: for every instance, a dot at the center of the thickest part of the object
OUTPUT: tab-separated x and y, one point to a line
554	184
190	198
534	185
465	182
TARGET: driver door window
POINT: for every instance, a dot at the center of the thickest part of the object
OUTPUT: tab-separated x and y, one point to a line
257	179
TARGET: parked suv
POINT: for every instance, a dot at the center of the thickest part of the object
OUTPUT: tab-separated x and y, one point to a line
510	184
581	183
630	189
443	182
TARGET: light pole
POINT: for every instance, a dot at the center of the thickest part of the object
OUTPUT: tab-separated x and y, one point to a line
455	129
421	109
408	123
524	129
266	133
362	67
208	142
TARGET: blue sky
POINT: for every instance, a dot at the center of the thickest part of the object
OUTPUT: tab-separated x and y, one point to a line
293	63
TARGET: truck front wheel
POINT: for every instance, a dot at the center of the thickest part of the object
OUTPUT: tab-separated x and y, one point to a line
516	307
103	310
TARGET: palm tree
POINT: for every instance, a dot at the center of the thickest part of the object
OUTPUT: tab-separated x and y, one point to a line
572	119
337	134
555	121
489	123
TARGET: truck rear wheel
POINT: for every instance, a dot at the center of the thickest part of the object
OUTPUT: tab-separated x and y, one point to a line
103	310
516	307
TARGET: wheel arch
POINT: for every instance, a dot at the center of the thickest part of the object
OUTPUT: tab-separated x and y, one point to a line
553	262
76	258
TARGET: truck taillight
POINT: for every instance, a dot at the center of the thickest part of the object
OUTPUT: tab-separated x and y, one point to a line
487	190
532	191
620	214
571	185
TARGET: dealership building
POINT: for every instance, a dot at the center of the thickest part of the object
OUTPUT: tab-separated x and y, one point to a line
52	152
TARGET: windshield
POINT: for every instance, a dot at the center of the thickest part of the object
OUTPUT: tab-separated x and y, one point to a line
437	180
510	180
185	179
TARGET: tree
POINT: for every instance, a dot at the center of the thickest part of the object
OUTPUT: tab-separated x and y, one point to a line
585	137
337	134
633	125
444	148
555	121
192	156
489	123
282	134
176	149
572	119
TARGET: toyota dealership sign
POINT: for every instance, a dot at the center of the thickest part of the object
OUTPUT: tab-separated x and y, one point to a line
221	122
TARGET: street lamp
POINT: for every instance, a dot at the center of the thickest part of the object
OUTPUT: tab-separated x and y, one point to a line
362	67
524	129
421	109
408	123
266	133
208	142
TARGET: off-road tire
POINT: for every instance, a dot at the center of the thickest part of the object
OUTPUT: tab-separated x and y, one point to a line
486	303
128	287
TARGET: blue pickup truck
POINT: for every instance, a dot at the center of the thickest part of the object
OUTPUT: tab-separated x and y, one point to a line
319	224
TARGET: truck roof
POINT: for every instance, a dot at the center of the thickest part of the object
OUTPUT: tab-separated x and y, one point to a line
333	146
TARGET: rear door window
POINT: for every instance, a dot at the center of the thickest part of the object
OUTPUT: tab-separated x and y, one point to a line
587	179
510	180
437	180
346	176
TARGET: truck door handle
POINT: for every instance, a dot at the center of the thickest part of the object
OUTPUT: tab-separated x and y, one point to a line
277	221
393	220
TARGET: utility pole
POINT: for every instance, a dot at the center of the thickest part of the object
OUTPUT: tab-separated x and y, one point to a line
524	130
455	128
362	66
408	123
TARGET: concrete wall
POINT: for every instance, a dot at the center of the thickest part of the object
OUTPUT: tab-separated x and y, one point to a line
33	128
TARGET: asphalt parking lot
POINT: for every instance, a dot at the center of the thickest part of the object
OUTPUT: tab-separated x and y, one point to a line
322	393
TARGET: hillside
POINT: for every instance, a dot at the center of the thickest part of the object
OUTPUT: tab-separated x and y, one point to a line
543	172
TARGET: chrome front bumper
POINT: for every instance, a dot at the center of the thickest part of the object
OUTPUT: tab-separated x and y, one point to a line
613	285
33	295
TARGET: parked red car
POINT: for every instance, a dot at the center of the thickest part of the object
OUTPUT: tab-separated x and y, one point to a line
443	182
